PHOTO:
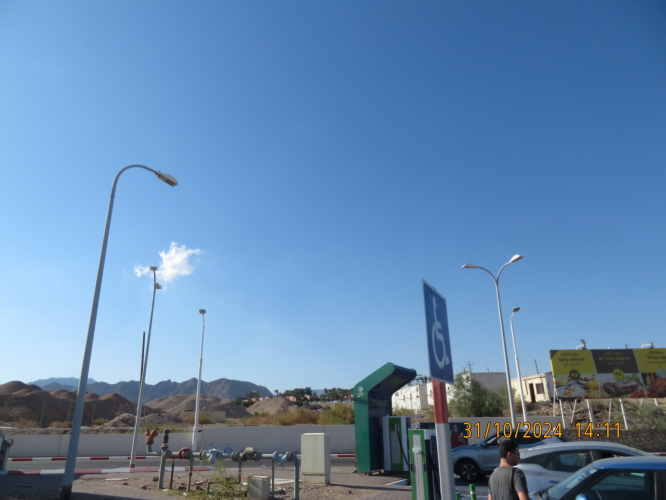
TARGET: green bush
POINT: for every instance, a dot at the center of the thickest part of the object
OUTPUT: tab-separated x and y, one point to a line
341	414
470	399
100	421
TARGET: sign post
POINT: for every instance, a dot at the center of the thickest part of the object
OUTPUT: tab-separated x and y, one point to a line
441	371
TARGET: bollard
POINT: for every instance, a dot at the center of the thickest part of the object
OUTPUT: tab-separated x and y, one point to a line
457	495
472	492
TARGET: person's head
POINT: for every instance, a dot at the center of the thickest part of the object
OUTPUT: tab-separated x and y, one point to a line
509	451
454	428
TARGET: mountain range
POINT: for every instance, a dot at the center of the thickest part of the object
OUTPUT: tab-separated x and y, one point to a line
222	388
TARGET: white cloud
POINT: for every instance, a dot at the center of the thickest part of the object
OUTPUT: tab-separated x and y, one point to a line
175	262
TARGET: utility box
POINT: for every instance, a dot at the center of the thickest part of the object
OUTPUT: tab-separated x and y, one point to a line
258	487
396	449
316	458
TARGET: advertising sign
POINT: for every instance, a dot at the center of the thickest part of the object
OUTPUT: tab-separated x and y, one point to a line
609	373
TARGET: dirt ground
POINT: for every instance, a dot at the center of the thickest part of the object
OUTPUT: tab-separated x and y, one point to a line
105	488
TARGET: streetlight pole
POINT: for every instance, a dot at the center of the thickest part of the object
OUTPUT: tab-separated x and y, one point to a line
520	378
142	378
68	477
515	258
195	429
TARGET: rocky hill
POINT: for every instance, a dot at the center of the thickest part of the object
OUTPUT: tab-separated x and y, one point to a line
21	402
222	388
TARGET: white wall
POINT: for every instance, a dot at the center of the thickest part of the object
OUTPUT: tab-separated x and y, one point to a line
265	439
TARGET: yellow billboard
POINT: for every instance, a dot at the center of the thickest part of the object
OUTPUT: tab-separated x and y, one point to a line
609	373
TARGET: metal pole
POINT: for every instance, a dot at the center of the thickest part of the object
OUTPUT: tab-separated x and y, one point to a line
520	378
624	415
68	476
195	430
144	367
589	410
447	484
506	358
564	421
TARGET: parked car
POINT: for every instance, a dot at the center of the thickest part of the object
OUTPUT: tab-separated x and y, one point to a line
545	466
472	462
625	478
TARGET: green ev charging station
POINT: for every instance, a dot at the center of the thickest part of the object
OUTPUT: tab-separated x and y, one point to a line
372	402
424	470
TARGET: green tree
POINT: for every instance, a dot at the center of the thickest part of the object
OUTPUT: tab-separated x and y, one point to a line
470	399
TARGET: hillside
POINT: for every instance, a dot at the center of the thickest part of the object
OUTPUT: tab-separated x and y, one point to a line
182	404
19	401
222	388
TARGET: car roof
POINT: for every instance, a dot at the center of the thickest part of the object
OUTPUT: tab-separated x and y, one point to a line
559	446
642	463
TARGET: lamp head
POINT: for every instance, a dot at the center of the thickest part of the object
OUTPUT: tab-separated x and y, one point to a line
516	309
469	266
169	179
202	311
515	258
153	268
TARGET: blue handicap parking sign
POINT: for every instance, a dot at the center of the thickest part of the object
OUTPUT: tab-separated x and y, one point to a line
439	344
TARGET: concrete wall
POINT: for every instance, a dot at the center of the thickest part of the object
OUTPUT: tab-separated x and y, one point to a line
266	439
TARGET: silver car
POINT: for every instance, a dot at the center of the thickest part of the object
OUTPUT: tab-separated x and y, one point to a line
545	466
473	462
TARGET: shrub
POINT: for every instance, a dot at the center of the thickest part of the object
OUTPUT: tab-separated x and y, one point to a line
100	421
470	399
341	414
62	425
203	419
24	423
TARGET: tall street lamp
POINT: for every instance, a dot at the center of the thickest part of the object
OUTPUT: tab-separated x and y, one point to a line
520	378
195	430
68	477
142	378
515	258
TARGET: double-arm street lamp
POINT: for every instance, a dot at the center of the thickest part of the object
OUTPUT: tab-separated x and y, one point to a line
68	478
142	379
515	258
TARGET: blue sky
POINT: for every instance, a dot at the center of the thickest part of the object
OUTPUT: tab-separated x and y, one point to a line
329	156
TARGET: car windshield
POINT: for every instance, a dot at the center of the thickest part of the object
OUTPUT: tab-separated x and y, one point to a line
561	489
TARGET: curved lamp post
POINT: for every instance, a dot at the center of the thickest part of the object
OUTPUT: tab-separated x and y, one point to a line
195	429
68	478
137	424
515	258
520	378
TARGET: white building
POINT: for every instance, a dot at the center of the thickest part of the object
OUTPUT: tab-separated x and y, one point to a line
536	388
418	396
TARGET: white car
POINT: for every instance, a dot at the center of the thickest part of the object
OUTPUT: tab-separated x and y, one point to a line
545	466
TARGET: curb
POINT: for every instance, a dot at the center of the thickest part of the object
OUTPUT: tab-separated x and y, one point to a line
123	457
126	470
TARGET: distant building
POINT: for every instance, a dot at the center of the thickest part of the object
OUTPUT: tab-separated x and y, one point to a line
418	396
536	388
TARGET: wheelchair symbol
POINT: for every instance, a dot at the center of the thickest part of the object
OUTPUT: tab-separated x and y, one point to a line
436	334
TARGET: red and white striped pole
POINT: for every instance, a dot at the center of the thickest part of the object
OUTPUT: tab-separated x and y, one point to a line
447	484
